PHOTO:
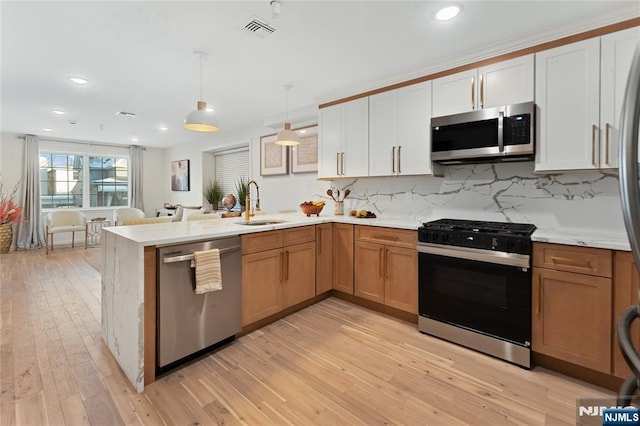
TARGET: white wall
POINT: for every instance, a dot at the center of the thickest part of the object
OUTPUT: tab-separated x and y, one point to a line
276	192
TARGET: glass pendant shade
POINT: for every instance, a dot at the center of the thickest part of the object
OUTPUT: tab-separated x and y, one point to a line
287	137
201	120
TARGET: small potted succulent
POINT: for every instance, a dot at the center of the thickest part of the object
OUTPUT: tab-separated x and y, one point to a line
213	194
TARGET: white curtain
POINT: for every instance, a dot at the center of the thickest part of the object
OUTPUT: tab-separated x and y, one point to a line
31	229
135	176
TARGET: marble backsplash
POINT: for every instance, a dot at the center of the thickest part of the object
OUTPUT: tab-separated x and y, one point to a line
500	191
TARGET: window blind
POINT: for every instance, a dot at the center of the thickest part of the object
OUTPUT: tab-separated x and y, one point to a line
230	166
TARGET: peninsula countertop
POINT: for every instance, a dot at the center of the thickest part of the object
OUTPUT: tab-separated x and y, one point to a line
159	234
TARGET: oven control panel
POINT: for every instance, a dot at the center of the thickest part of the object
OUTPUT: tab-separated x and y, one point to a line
486	241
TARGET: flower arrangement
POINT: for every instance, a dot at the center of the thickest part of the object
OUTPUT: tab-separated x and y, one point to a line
9	211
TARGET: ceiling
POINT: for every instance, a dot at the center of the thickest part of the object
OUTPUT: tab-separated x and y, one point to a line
139	57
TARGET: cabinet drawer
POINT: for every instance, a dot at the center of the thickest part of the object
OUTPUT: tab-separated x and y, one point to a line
582	260
388	236
252	243
302	234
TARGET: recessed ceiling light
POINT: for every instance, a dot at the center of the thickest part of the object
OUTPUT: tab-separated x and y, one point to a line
47	129
134	139
209	109
302	131
78	80
163	128
447	13
58	112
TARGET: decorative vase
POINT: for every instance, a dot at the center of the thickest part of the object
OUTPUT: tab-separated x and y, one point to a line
6	237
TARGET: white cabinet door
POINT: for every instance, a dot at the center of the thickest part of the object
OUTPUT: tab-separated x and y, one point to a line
355	157
506	83
454	93
330	136
414	130
568	98
616	55
503	83
383	133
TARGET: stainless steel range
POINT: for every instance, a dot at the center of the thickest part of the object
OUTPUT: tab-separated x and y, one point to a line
475	285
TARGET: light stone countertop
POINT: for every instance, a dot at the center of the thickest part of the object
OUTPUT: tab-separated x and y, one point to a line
585	238
159	234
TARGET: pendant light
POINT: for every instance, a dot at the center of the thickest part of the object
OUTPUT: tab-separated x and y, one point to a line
287	137
201	120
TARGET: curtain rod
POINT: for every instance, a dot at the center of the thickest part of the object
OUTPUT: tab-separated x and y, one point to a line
82	143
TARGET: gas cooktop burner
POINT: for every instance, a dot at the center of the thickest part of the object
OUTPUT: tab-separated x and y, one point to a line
497	236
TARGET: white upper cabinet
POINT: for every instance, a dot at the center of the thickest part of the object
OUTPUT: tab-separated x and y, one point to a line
616	53
568	100
579	91
343	132
503	83
399	131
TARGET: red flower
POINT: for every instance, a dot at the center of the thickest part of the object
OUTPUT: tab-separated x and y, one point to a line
9	211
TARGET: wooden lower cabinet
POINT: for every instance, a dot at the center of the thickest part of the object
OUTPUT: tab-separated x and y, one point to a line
386	267
277	278
261	285
625	293
368	269
571	318
324	258
343	257
299	281
401	289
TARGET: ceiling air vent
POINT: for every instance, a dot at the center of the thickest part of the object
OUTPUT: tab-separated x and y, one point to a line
257	27
126	114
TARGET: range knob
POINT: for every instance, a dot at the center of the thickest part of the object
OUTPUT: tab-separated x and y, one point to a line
510	244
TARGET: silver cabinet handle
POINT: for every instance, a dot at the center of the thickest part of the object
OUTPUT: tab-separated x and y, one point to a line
607	131
481	91
184	257
399	148
473	93
500	131
594	130
342	163
337	163
393	159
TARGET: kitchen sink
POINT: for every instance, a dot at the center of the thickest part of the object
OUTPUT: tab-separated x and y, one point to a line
261	222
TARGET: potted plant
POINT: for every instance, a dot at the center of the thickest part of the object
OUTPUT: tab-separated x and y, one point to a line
241	187
213	194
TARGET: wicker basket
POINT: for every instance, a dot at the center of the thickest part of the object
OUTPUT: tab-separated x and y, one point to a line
309	210
6	237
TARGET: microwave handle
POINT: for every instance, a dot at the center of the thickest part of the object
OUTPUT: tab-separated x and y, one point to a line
500	131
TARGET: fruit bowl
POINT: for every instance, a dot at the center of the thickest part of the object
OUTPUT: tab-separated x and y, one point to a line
310	209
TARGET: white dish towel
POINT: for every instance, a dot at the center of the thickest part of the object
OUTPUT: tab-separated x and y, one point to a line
208	270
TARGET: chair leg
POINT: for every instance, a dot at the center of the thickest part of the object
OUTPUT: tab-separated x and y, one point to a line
73	239
46	243
86	236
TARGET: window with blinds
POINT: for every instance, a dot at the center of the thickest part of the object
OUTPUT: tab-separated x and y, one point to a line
230	166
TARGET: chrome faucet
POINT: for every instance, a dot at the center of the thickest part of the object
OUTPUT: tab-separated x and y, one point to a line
247	203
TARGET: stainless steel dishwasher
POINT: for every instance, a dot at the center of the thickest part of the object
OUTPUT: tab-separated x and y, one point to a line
188	322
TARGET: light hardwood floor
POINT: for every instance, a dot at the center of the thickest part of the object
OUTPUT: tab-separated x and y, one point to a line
332	363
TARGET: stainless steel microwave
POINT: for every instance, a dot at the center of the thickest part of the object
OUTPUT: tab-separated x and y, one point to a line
503	133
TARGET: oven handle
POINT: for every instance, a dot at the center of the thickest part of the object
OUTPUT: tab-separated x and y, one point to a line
489	256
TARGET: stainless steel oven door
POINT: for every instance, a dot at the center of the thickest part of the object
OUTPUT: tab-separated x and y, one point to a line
479	290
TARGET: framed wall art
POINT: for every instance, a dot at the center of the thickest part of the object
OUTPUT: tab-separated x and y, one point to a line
304	157
180	175
274	159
